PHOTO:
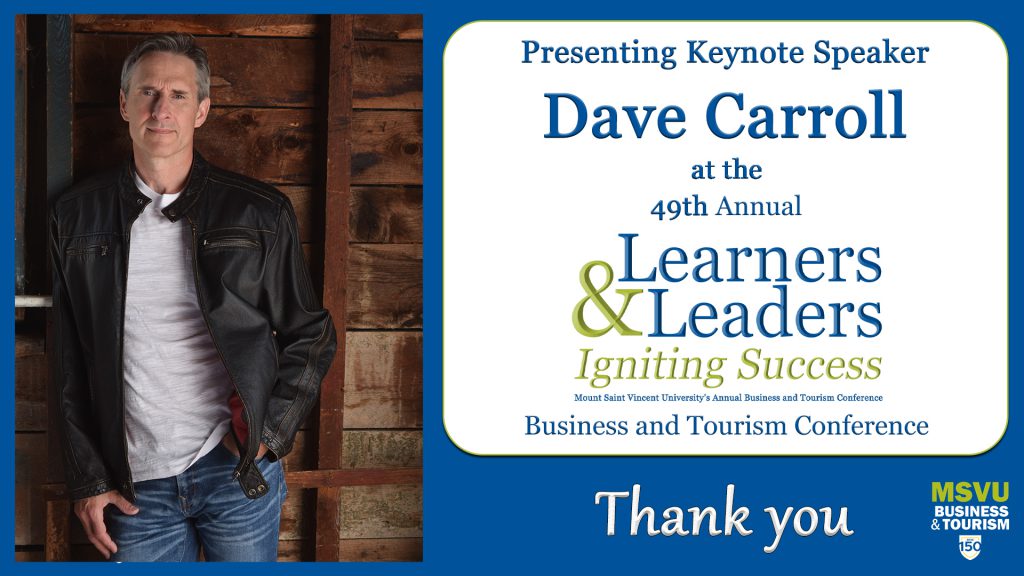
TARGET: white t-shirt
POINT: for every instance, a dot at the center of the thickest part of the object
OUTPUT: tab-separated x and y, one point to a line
176	387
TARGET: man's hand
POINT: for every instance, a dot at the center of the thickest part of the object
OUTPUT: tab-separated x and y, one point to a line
90	512
229	443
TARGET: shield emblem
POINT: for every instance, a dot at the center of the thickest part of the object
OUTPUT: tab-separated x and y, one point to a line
970	546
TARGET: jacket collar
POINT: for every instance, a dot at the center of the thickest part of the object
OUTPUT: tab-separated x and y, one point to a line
197	177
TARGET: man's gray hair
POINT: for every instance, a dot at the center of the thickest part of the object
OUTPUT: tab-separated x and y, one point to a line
183	44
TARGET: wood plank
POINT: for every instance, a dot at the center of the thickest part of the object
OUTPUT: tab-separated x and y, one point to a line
337	180
382	550
59	108
388	27
239	68
382	512
387	147
392	215
385	286
292	551
29	475
31	379
362	449
322	479
275	145
57	538
387	75
20	147
308	211
297	521
25	345
384	388
383	449
34	554
303	455
288	25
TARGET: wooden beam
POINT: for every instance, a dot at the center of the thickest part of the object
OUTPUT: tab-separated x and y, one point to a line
291	26
240	67
321	479
337	184
20	140
389	27
58	543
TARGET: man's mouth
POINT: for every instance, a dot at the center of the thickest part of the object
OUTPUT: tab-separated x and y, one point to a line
161	130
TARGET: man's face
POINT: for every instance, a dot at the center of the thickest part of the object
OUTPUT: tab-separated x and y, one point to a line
162	106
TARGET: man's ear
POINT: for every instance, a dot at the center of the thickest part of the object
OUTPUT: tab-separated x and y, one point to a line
204	110
123	105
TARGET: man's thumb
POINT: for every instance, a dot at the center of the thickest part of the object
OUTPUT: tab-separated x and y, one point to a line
124	505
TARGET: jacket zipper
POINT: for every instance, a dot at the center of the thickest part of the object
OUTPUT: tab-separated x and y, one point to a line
232	242
206	322
130	484
100	249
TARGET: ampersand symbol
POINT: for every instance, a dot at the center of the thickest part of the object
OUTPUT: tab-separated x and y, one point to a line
935	524
594	295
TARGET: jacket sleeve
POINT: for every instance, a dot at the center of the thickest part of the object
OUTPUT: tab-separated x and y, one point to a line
305	337
85	473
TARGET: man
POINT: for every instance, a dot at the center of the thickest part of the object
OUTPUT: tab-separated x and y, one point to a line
190	344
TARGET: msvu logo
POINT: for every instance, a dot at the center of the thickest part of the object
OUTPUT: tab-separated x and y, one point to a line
970	491
970	546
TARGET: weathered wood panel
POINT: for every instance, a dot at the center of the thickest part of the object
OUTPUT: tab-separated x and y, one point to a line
31	377
384	383
385	286
295	524
308	204
20	148
29	555
382	550
389	26
387	147
29	475
337	177
362	449
382	512
387	75
240	69
58	521
273	145
276	145
366	26
290	25
387	215
28	346
383	448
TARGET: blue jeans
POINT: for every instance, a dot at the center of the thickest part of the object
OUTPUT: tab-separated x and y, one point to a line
201	507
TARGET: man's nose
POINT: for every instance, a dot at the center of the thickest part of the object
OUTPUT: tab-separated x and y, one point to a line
161	107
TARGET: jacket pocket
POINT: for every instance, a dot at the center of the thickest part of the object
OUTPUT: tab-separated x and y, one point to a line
87	250
233	239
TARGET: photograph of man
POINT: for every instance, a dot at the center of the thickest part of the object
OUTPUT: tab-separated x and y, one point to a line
189	341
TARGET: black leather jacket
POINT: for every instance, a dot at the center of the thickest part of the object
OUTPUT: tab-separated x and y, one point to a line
275	339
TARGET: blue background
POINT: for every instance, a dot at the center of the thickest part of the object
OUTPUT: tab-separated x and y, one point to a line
510	515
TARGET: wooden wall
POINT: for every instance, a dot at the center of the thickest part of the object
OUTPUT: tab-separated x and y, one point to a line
272	99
